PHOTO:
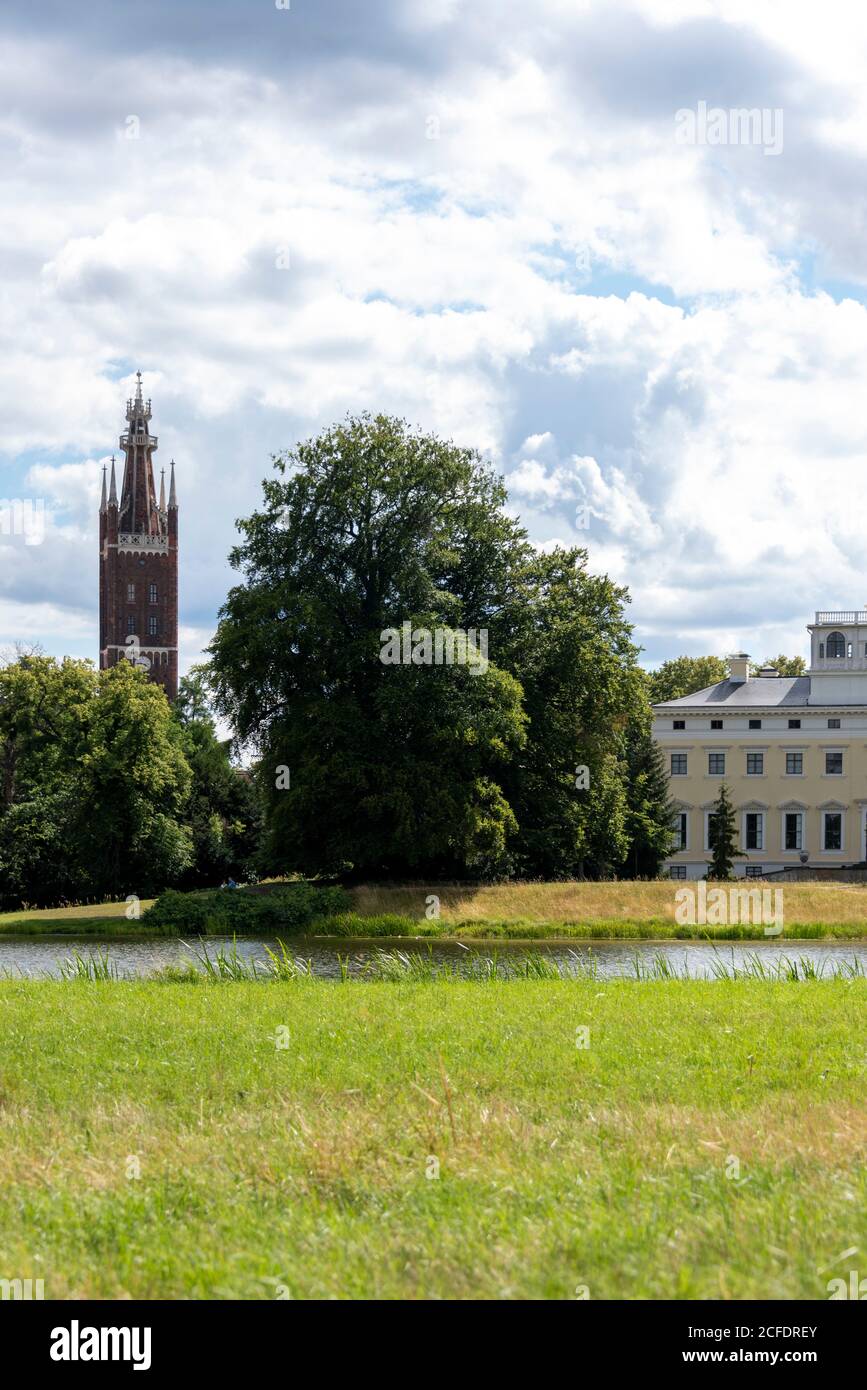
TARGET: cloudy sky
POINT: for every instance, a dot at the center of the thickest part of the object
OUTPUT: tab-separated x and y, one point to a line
482	215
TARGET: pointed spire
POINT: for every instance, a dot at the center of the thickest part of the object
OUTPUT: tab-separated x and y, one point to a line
138	399
112	492
162	489
102	501
173	497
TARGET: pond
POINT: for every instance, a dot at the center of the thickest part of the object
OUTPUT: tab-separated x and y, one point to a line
43	956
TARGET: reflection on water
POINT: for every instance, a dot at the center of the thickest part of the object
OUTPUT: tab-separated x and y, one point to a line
39	956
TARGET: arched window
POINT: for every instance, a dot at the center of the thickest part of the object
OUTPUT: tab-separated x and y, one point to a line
836	644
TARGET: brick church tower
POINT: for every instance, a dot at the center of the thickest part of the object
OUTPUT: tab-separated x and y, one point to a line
138	559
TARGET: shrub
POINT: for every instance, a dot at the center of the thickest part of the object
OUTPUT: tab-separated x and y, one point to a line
233	910
383	924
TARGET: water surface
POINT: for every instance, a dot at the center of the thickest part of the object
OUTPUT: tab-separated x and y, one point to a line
41	956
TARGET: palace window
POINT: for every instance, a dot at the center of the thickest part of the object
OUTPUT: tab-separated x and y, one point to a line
832	833
130	593
716	764
716	723
794	764
755	829
755	723
834	764
833	723
836	645
755	764
753	871
152	593
130	624
793	830
710	830
679	724
680	831
794	723
678	871
152	625
678	764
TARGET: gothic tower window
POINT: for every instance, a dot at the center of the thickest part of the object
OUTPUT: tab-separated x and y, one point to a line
138	534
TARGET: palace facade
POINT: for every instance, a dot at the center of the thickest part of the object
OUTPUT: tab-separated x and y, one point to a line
791	750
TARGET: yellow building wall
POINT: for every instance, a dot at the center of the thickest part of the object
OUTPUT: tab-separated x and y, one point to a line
772	790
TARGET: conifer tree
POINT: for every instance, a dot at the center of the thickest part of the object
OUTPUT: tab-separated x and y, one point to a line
723	837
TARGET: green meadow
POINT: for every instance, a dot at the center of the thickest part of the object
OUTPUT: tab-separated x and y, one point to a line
433	1139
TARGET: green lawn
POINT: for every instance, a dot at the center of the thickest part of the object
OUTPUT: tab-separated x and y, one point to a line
96	919
305	1166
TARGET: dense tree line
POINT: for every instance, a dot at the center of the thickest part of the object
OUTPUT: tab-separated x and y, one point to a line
683	675
535	762
106	791
528	754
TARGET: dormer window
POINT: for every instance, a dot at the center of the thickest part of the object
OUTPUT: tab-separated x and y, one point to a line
836	645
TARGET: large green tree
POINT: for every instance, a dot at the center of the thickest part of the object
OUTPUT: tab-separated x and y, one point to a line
368	767
380	769
94	787
650	809
565	637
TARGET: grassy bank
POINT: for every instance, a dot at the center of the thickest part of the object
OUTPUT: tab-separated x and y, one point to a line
586	905
352	925
302	1167
94	919
513	911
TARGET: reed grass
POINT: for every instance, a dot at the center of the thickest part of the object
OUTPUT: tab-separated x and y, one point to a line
227	965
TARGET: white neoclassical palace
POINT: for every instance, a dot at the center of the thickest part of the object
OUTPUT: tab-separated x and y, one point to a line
792	751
